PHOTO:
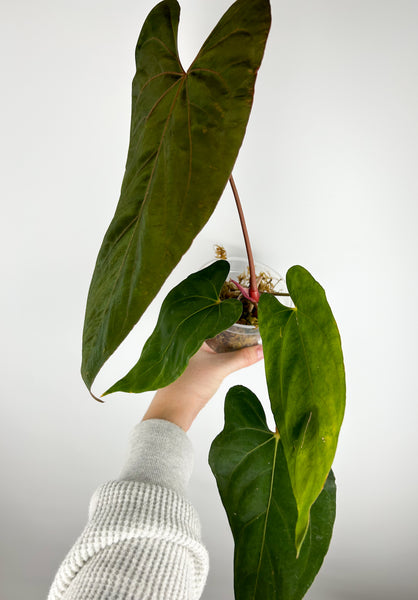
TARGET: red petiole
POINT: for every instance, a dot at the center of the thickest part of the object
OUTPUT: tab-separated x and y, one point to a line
252	293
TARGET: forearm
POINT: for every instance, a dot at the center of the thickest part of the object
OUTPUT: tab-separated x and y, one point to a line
142	539
160	453
178	408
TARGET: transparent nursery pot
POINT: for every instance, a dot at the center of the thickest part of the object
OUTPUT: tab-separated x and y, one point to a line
240	336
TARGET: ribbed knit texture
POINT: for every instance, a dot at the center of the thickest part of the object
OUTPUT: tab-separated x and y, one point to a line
142	540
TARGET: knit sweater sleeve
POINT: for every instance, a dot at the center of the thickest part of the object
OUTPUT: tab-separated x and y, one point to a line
142	539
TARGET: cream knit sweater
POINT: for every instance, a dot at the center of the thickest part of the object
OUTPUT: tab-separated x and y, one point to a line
142	539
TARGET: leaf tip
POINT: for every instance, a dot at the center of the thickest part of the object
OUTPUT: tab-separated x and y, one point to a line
95	397
302	527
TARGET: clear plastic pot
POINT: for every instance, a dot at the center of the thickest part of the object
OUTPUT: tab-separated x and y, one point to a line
240	336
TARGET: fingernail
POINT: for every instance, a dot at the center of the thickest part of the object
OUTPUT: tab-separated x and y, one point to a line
260	352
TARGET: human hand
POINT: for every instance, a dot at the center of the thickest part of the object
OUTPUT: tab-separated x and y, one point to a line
181	401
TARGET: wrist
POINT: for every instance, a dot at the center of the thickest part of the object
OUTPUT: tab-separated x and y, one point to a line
180	409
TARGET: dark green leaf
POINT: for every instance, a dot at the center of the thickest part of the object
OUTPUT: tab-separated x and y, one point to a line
191	313
251	472
186	130
306	382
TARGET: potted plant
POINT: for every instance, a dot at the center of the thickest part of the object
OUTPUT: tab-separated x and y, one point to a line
186	130
245	332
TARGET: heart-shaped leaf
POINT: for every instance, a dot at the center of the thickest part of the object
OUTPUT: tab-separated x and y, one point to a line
248	462
191	313
186	130
306	383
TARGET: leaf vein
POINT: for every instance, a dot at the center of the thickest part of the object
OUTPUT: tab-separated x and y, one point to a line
266	517
156	39
213	72
247	454
163	354
159	75
205	49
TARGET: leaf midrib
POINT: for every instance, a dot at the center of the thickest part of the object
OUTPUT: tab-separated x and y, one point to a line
267	516
146	196
206	307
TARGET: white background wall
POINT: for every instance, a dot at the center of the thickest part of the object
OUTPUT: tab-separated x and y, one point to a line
328	178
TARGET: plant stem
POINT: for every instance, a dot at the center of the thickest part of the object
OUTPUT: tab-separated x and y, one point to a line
254	293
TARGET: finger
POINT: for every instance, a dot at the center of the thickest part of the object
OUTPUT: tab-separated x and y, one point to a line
233	361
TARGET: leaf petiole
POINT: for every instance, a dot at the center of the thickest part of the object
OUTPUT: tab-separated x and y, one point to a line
253	293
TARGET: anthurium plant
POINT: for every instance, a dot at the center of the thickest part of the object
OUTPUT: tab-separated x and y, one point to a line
187	127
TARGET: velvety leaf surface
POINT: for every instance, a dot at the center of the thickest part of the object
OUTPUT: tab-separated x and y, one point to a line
190	314
251	472
306	383
186	130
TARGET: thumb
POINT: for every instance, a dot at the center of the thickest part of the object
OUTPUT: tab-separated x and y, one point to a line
238	359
